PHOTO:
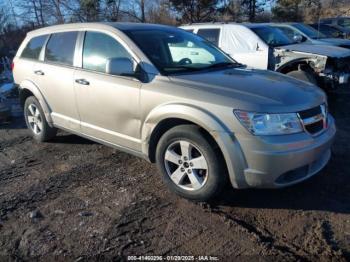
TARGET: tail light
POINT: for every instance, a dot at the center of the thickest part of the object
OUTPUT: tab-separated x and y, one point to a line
12	66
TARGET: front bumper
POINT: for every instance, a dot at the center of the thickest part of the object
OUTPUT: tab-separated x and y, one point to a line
4	111
279	161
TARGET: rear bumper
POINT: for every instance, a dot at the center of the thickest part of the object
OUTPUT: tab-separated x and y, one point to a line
279	161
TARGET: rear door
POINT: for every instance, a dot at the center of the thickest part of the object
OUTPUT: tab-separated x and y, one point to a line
108	104
54	76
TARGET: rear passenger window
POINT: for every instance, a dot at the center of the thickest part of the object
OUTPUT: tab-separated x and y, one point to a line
212	35
33	48
60	48
98	49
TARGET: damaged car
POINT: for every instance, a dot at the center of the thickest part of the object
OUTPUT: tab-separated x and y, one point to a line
262	46
307	34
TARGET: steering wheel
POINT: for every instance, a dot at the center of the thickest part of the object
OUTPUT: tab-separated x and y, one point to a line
185	61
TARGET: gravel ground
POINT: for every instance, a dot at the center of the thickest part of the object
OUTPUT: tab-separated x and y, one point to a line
72	199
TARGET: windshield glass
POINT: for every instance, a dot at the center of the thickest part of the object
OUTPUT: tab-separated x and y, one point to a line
309	31
273	36
177	51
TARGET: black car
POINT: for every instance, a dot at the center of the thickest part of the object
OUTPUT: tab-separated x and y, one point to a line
340	23
329	31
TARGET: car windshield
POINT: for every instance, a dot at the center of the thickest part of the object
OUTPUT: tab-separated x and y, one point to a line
273	36
177	51
309	31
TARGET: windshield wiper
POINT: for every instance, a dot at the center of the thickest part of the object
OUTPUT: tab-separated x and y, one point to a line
223	64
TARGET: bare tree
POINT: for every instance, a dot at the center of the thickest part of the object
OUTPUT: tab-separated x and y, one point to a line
112	10
190	11
3	19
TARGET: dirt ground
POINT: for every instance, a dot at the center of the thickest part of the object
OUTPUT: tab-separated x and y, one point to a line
72	199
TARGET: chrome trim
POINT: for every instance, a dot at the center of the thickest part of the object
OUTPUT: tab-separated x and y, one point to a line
314	119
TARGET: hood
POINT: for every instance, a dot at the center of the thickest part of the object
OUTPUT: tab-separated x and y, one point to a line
256	90
337	41
324	50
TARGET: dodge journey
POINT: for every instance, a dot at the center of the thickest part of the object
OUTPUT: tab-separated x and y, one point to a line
175	99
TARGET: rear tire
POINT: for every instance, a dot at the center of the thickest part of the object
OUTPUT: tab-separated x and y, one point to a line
36	121
304	76
190	165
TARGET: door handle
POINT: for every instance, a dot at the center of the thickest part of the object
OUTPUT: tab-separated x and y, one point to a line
82	82
39	72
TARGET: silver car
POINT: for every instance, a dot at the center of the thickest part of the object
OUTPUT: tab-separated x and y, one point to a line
171	97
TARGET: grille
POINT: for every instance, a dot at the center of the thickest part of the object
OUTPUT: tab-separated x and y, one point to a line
315	127
310	112
314	120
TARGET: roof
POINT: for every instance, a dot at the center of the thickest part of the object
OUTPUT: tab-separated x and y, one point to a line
218	24
81	26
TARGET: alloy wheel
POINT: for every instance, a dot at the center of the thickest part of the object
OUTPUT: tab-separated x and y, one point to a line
34	119
186	165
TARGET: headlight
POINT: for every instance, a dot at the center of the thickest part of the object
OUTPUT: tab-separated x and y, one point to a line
269	124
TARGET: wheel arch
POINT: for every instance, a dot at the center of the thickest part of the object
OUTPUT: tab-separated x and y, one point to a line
168	116
293	65
28	88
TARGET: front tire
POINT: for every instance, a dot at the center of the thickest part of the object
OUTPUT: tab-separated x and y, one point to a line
190	165
36	121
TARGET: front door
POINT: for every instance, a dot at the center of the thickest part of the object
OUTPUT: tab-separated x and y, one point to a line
108	104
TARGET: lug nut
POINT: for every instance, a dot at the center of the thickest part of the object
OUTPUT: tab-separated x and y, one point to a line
180	162
182	169
191	164
189	171
185	158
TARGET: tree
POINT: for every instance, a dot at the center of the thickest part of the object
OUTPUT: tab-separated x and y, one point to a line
192	11
3	20
287	10
113	10
89	10
243	10
161	13
297	10
252	8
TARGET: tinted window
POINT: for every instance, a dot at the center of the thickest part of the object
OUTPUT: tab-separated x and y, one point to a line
98	48
212	35
328	30
288	31
309	31
60	48
272	36
344	22
34	46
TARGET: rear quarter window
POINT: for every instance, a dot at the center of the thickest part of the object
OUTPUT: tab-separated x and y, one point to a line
33	48
211	35
60	48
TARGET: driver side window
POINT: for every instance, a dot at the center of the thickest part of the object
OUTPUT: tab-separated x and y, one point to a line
289	32
98	49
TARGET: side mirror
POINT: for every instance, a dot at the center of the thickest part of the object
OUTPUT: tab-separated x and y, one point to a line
122	66
297	38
